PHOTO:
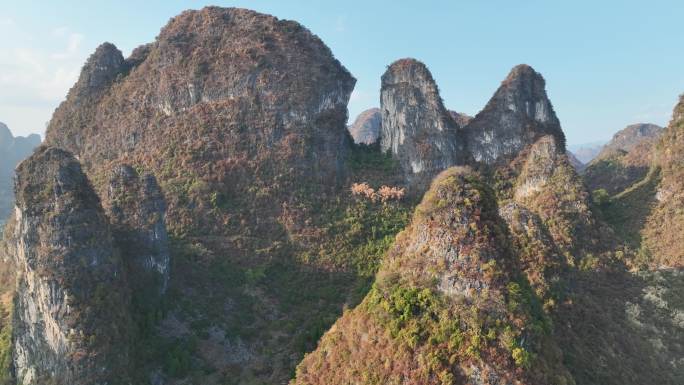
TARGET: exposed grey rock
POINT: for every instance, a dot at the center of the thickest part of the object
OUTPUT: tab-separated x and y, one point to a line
250	82
101	69
515	117
70	307
136	208
539	167
248	107
366	127
416	127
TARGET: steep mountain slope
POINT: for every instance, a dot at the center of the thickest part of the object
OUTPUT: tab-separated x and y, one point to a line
587	151
624	160
629	137
136	210
267	224
448	306
647	306
664	229
576	163
241	117
622	328
643	204
71	321
366	126
425	139
517	114
573	269
416	127
12	151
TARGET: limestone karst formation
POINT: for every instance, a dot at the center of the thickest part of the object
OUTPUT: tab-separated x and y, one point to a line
201	212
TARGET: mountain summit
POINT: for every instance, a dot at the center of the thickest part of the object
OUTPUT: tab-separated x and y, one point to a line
517	114
416	127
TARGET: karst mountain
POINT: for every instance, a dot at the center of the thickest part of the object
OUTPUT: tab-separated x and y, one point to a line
204	211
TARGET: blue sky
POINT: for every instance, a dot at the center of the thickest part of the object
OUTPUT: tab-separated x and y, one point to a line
607	63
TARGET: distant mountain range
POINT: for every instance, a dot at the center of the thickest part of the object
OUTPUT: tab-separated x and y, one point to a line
12	151
585	152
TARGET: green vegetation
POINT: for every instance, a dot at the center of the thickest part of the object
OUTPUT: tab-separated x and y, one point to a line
601	198
613	173
5	348
178	358
422	319
361	233
369	157
628	211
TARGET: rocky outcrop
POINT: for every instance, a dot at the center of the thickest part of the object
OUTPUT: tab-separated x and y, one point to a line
416	128
538	168
447	279
515	117
549	186
12	151
629	137
540	259
241	117
263	99
461	119
426	138
266	83
99	72
136	208
366	127
71	320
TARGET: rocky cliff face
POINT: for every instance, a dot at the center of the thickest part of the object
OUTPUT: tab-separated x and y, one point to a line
71	320
136	209
262	98
99	72
518	114
416	128
266	81
241	118
446	306
366	127
426	138
12	151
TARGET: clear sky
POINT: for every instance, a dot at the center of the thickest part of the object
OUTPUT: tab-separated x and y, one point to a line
607	63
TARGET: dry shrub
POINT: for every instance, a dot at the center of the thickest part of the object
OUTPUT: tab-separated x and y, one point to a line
384	194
